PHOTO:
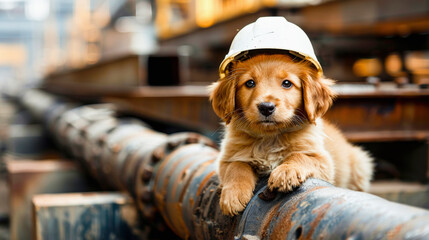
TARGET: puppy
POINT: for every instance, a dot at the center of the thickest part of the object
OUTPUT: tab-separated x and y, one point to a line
272	105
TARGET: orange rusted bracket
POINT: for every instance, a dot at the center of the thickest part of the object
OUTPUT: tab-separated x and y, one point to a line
175	176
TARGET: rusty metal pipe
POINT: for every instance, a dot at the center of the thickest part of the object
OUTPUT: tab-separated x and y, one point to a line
175	176
189	202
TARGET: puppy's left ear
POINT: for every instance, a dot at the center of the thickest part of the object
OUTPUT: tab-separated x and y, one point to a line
222	96
317	95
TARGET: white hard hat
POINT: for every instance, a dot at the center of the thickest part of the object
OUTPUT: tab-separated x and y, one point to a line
270	33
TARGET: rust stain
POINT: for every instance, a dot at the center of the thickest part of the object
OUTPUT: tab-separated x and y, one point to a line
161	202
161	207
125	139
116	148
340	201
157	154
283	226
394	232
191	176
267	220
172	215
163	164
201	170
166	161
204	181
176	219
314	189
170	157
321	212
176	162
184	174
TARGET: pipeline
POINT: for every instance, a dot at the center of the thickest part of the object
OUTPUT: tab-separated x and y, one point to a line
174	176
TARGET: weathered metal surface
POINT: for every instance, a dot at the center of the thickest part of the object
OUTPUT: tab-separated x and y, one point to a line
176	184
120	72
86	216
27	141
318	210
28	178
175	177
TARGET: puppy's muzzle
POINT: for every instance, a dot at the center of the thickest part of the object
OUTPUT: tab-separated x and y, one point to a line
266	108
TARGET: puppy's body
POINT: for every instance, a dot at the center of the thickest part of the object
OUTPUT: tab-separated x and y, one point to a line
323	140
273	106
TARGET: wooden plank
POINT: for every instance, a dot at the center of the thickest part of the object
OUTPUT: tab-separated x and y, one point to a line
375	113
28	178
118	72
344	90
358	108
387	136
76	90
192	112
85	216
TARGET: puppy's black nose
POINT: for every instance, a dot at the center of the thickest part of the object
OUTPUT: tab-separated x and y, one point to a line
266	108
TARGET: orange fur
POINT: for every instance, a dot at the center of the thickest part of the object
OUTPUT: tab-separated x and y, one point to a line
290	144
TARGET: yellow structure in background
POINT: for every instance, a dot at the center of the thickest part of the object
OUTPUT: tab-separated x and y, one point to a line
85	33
13	55
367	67
175	17
83	37
393	64
418	64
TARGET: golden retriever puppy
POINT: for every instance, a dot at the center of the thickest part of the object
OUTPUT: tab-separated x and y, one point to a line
272	105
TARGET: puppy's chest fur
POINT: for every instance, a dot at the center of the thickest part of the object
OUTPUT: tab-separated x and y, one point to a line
262	154
267	153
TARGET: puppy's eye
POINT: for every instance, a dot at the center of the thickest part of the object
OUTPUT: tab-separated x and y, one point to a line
250	84
287	84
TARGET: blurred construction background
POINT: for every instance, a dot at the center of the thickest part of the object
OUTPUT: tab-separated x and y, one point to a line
152	59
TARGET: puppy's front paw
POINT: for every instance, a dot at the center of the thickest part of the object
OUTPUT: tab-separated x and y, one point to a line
285	178
234	198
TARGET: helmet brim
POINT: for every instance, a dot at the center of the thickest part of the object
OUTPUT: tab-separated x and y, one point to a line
243	55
